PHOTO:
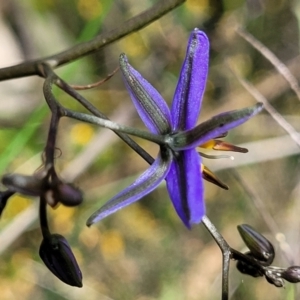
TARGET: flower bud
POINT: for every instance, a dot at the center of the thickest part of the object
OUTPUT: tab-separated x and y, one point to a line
208	175
223	146
259	246
291	274
24	184
67	194
60	260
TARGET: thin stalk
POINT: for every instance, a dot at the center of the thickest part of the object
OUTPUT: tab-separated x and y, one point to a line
226	253
51	140
43	218
272	58
155	138
55	117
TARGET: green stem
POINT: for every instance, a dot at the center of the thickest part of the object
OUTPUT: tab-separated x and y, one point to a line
155	138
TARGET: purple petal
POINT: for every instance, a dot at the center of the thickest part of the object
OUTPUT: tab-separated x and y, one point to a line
185	186
150	105
214	127
146	183
191	85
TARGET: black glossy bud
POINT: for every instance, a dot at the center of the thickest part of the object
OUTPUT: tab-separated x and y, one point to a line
248	269
259	246
291	274
24	184
60	260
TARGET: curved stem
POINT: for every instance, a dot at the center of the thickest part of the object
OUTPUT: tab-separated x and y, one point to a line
136	23
55	117
51	140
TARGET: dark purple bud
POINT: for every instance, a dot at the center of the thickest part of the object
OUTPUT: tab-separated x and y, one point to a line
23	184
66	194
60	260
259	246
291	274
247	268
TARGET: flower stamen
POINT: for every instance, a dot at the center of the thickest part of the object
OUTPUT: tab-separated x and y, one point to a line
210	156
208	175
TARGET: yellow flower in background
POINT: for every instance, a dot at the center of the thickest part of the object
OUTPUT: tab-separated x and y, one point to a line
89	9
12	209
198	7
112	244
82	133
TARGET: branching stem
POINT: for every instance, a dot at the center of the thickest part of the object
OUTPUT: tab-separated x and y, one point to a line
226	253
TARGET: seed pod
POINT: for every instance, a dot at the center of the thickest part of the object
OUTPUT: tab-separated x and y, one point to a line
259	246
60	260
23	184
67	194
291	274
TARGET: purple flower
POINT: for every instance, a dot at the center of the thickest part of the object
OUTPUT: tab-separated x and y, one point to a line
178	161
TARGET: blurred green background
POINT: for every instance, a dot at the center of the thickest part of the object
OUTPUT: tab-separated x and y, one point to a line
144	252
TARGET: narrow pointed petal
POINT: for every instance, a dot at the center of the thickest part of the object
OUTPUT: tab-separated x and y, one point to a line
192	81
185	186
213	127
146	183
150	105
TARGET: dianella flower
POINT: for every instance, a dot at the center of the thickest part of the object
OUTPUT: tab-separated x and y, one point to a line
176	132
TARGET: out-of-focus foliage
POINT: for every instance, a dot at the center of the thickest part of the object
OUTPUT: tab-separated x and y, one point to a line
144	252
